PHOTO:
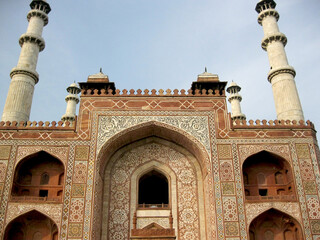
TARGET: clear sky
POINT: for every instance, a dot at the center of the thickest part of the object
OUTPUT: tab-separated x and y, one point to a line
154	44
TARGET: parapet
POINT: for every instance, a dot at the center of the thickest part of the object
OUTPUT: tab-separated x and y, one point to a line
66	126
263	124
152	93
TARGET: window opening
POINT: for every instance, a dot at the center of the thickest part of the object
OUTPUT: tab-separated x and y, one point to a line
43	193
153	190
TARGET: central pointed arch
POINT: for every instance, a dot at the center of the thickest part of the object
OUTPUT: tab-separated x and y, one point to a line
143	132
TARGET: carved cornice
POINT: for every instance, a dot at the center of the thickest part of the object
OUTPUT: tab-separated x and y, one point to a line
33	39
34	75
40	14
269	12
269	39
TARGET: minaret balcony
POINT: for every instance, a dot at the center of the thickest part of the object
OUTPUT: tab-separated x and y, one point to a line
33	39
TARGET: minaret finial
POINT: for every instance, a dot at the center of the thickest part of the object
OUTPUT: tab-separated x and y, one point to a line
101	70
205	69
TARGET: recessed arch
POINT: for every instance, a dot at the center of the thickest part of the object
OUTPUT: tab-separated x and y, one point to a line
269	177
31	224
159	149
275	224
37	176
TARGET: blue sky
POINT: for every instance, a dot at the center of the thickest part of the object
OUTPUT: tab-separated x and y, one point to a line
163	44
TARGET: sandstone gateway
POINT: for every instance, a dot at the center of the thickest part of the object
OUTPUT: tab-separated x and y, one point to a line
157	164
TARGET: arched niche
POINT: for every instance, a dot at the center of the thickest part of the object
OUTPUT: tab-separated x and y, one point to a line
38	178
267	176
32	225
273	225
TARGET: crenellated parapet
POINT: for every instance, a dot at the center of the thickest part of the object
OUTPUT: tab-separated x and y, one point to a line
272	124
34	125
152	93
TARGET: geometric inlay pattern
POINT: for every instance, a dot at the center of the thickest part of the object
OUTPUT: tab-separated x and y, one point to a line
80	172
303	151
5	152
230	209
232	228
315	226
78	190
224	151
226	170
313	207
3	168
77	210
228	188
82	153
75	230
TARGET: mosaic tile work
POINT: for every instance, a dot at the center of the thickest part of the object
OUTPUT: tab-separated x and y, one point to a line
226	171
80	172
82	153
3	169
310	187
302	151
228	188
224	151
5	152
76	210
232	228
230	209
78	190
75	230
315	226
313	206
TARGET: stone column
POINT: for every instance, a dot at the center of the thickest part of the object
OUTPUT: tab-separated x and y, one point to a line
281	74
24	75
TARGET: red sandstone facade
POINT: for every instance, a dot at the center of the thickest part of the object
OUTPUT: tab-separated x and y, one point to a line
223	179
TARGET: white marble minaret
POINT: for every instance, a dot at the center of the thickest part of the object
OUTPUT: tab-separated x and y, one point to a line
235	99
24	76
72	100
281	74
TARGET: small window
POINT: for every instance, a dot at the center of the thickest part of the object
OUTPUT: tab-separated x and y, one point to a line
44	179
263	192
59	193
247	192
43	193
153	189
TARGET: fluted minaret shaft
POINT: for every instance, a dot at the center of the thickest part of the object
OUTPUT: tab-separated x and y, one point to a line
235	99
281	74
24	75
72	100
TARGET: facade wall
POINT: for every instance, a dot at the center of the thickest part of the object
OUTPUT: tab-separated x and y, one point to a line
198	124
